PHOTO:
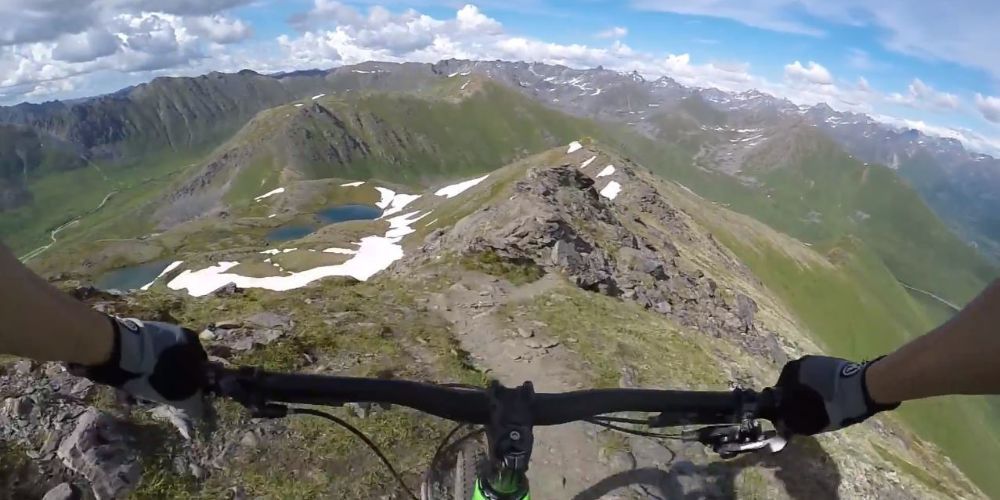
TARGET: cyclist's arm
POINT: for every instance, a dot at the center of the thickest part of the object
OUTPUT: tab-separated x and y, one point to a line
40	322
959	357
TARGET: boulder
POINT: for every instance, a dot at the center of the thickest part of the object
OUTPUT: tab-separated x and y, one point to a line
269	320
100	450
746	309
64	491
227	290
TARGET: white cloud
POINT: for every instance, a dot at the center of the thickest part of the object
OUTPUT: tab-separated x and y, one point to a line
86	46
920	95
41	20
220	29
179	7
128	43
615	32
863	84
814	73
471	20
962	32
411	36
989	107
969	138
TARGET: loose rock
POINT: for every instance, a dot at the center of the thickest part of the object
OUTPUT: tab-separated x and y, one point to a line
64	491
100	450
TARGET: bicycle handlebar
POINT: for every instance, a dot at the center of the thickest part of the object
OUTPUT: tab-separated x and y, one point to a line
257	388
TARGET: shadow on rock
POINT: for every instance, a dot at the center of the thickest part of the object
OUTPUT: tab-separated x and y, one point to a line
804	469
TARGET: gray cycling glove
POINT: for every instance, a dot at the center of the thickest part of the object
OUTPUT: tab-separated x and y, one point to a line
822	394
153	361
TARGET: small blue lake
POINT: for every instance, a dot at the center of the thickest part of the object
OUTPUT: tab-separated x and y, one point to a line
344	213
132	277
332	215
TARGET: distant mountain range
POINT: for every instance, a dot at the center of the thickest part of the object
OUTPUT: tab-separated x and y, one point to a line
173	114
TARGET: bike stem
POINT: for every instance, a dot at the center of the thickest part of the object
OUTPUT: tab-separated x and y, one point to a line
510	438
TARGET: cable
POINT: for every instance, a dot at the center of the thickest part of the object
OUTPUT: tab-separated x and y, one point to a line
633	431
622	420
444	443
362	436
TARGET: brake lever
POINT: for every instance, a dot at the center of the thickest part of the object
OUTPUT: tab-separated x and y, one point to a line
240	385
732	440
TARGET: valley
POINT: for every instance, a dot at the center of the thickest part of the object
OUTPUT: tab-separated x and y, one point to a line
471	220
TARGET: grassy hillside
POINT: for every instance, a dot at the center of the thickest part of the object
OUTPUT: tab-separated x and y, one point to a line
856	309
61	197
454	130
819	194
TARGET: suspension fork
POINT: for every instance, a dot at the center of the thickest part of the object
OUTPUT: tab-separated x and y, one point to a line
510	439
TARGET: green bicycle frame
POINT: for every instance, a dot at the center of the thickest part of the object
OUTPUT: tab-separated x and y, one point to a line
482	494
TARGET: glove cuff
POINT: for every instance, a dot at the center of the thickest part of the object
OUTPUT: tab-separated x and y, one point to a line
874	407
110	371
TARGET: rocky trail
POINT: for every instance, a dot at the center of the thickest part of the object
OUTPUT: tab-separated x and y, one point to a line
572	460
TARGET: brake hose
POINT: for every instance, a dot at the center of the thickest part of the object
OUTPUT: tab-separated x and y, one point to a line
363	437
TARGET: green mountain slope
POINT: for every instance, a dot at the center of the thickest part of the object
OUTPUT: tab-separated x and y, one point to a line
456	129
853	305
806	186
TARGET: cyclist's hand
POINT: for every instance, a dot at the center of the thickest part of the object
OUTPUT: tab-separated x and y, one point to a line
821	394
153	361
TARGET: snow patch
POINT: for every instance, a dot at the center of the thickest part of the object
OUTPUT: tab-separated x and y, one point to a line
272	216
269	194
387	196
374	254
466	84
597	92
573	146
431	223
588	162
353	184
457	189
399	202
317	96
611	190
171	267
276	251
344	251
608	170
299	105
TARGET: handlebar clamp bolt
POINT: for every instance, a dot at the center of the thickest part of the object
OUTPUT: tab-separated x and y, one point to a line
515	436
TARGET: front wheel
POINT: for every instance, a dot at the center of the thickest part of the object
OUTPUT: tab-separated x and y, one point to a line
470	462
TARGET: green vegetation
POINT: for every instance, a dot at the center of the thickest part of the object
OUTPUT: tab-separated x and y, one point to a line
19	475
342	326
516	272
819	194
903	466
610	334
62	196
414	139
857	310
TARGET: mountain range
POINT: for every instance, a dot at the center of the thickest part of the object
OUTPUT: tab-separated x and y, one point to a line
810	211
179	114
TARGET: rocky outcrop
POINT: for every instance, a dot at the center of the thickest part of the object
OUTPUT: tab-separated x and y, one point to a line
100	450
556	220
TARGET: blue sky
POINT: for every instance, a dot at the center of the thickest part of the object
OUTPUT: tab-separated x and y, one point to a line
914	62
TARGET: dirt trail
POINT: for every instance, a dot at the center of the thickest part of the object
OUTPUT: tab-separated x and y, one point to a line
567	459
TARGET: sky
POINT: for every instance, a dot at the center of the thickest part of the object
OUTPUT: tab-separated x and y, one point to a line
924	64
